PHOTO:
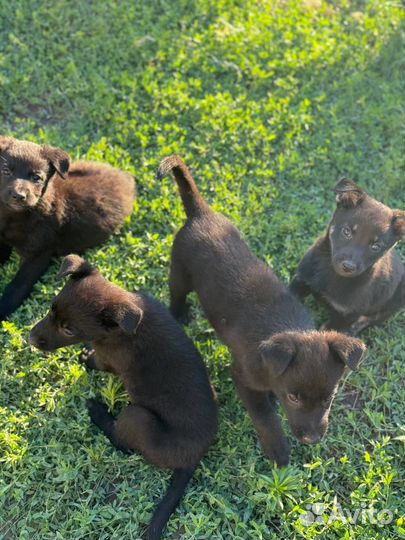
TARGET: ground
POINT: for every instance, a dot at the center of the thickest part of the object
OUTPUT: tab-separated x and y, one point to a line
270	103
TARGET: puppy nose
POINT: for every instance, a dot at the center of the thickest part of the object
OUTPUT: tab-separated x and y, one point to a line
19	196
311	439
348	267
37	341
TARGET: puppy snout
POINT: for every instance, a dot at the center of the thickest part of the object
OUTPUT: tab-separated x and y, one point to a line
37	341
18	196
311	438
348	267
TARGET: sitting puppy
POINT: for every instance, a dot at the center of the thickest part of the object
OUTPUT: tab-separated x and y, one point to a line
277	352
172	416
48	208
354	268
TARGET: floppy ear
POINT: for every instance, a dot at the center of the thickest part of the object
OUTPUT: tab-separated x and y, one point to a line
126	315
278	352
398	223
75	266
58	159
350	350
348	193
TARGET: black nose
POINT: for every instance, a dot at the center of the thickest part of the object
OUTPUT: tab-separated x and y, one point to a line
348	267
19	196
37	341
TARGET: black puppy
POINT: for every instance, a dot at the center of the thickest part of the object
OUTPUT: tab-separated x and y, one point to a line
172	416
355	268
277	351
48	207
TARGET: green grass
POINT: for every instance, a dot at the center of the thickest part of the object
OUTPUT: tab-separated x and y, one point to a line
270	103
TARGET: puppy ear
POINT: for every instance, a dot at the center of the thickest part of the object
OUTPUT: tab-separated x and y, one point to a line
348	193
398	223
58	159
278	352
5	142
127	316
348	349
75	266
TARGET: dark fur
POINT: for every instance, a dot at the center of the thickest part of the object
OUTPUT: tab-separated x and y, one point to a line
172	416
355	268
277	352
48	208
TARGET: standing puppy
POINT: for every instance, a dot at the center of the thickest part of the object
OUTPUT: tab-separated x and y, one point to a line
48	208
277	352
355	268
172	416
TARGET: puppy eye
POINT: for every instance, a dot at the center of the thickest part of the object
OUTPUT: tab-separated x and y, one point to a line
375	247
35	177
294	398
347	232
6	171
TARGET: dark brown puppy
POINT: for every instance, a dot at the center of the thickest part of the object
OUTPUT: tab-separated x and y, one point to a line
172	416
355	268
48	207
277	352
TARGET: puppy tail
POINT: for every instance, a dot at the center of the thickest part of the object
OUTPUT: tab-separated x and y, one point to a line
192	200
168	504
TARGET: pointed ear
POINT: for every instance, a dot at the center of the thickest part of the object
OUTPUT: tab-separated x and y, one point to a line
75	266
398	223
348	349
348	193
126	315
58	159
278	352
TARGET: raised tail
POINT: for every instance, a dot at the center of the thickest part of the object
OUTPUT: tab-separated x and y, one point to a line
168	504
192	200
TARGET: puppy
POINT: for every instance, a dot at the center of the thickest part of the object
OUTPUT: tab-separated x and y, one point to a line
48	208
277	352
355	268
172	416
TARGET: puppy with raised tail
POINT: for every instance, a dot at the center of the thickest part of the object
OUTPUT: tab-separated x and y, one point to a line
49	207
355	268
277	352
172	415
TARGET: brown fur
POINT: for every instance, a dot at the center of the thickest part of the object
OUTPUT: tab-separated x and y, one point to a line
277	352
49	207
355	268
172	416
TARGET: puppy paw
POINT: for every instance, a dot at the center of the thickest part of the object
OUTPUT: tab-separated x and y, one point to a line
88	358
279	454
98	413
181	314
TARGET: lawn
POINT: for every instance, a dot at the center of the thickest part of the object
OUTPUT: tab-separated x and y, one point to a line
270	103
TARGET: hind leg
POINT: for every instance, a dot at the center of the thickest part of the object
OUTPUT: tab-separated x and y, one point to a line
137	428
180	286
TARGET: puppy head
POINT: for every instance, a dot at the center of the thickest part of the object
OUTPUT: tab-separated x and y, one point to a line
25	171
88	308
362	230
306	368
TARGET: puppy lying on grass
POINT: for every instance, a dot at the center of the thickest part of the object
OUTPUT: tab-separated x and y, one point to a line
277	352
172	416
48	208
355	268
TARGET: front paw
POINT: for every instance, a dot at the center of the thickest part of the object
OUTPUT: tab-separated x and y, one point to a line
98	413
88	358
181	313
278	452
